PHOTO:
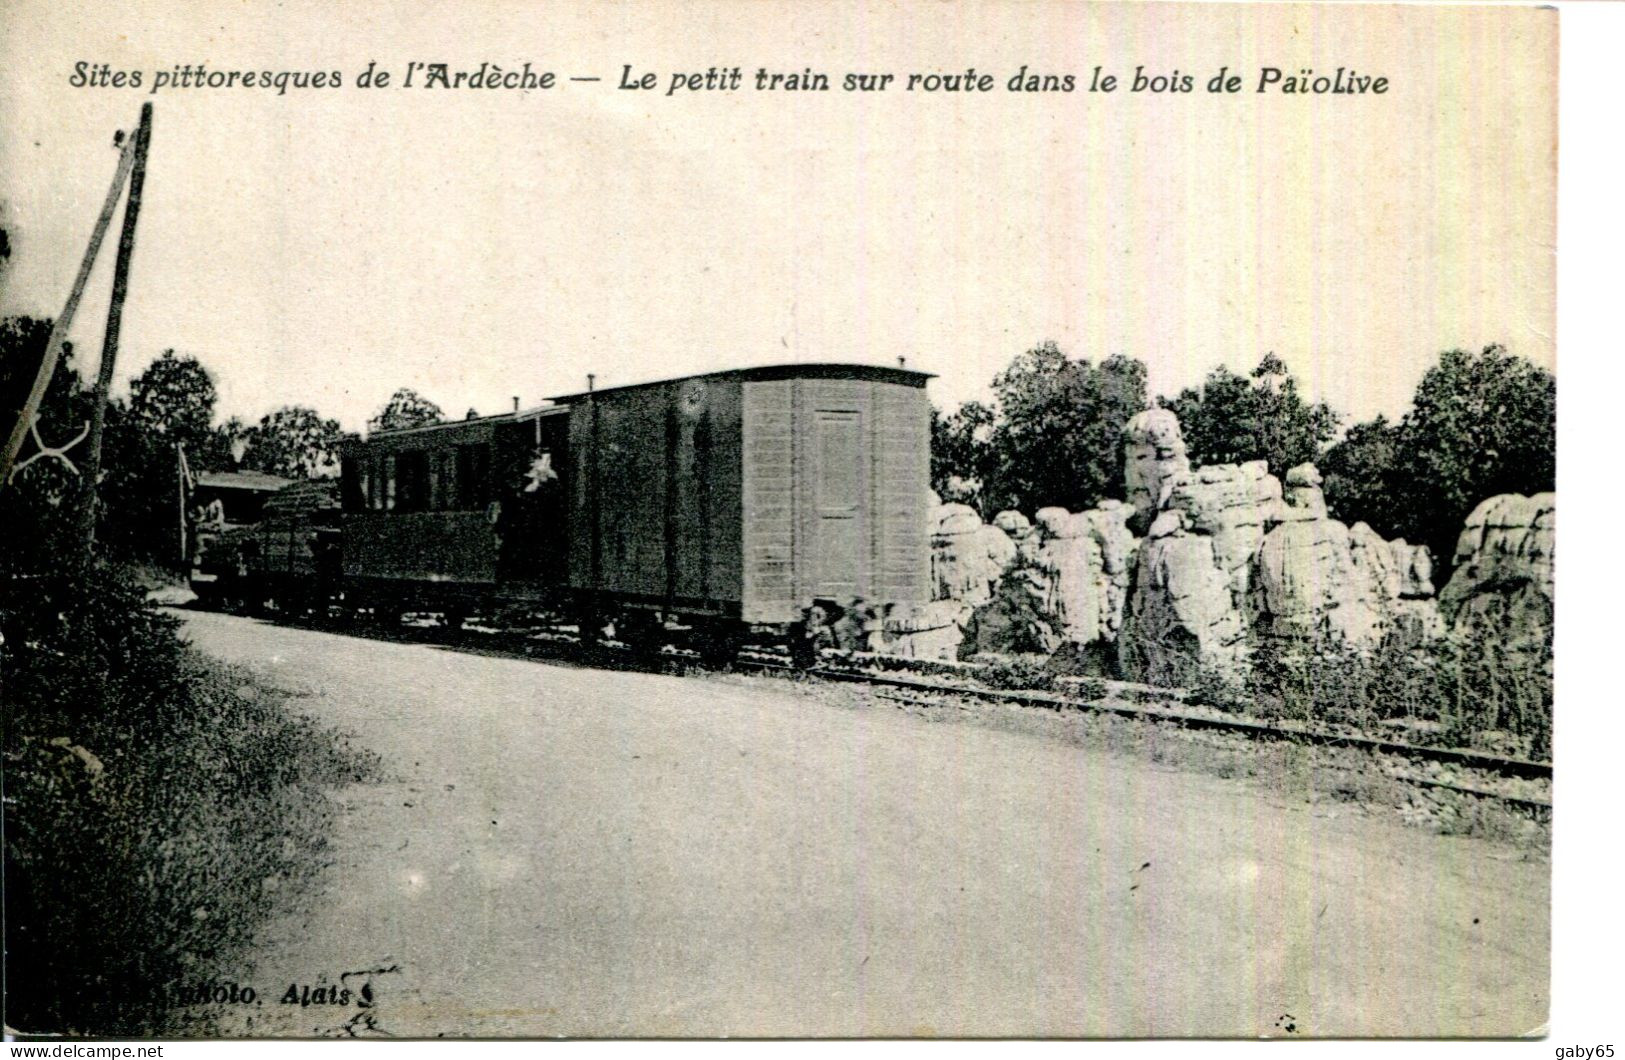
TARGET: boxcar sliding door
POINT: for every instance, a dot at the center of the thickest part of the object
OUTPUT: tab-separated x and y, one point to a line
840	535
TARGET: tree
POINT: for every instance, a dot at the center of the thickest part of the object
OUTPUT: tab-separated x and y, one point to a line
961	448
1479	425
294	442
406	408
1359	477
1057	437
172	402
1229	420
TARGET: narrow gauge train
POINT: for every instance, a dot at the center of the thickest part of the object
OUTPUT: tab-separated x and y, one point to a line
758	502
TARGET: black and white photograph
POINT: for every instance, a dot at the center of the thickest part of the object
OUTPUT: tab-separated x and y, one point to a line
779	520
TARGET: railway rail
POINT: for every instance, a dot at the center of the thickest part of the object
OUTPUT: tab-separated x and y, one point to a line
882	672
1496	765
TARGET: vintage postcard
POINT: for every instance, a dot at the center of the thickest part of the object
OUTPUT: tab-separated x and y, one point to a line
811	520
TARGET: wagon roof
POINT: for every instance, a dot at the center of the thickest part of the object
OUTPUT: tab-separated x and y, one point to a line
469	422
822	370
255	481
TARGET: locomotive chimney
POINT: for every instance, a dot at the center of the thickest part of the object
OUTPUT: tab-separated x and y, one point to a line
902	362
516	402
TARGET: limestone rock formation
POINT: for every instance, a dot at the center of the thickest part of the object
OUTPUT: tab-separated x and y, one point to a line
1303	492
1086	561
923	631
1314	578
1309	586
1181	615
1154	455
1016	525
1195	571
967	555
1502	583
1232	560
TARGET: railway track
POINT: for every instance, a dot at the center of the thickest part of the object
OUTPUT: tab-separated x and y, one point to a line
920	689
1490	764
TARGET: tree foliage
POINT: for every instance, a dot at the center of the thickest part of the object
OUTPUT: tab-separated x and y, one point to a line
1358	474
1480	425
38	505
172	402
294	442
406	408
961	456
1231	420
1054	438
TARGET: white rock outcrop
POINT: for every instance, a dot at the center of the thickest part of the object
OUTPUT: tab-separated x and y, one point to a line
1502	584
1154	455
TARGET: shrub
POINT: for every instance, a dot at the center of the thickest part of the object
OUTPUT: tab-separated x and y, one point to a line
1471	689
157	805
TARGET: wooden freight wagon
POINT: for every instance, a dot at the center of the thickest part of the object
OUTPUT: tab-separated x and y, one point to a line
289	557
746	498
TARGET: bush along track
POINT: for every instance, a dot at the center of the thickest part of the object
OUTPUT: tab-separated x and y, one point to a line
158	807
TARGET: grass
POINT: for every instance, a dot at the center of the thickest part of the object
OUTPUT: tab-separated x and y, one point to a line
158	807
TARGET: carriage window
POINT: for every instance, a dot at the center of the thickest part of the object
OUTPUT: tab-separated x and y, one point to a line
412	481
389	483
473	472
448	479
437	498
353	484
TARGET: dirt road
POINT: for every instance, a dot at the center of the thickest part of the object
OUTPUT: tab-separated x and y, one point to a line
579	852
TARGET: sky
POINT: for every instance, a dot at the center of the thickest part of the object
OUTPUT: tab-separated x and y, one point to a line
325	247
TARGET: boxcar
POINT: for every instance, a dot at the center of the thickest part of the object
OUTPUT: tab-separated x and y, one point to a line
750	496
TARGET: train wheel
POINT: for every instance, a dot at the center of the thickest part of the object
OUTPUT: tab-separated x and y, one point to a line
718	645
642	632
803	648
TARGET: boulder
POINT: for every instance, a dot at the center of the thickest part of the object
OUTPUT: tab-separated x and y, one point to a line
1235	504
923	631
1153	456
1502	584
1415	566
1191	584
1307	586
1303	492
1181	616
967	555
1315	578
1013	523
1086	561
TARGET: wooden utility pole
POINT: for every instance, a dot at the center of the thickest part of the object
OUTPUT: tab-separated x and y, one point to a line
182	474
64	320
115	316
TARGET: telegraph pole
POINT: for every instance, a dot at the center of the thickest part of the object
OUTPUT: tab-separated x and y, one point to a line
115	316
59	330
